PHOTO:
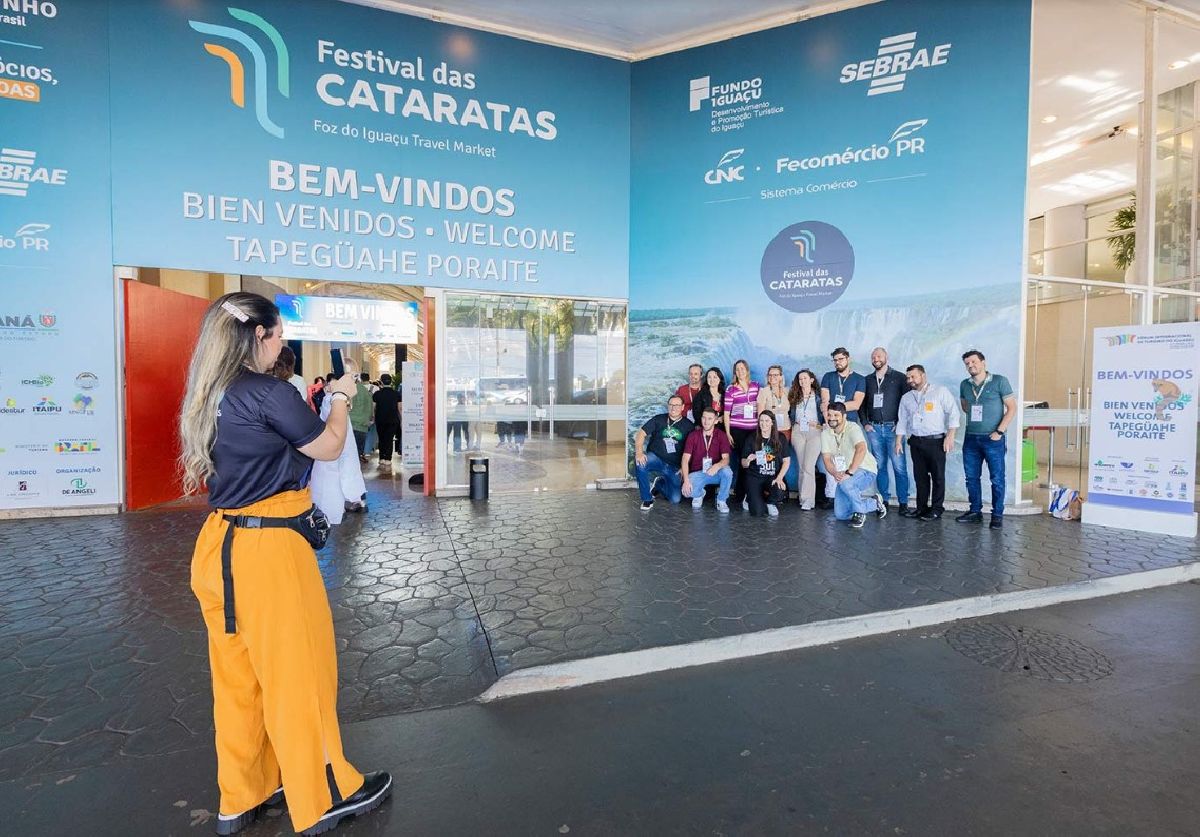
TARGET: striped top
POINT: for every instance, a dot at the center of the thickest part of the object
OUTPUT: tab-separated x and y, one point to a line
742	406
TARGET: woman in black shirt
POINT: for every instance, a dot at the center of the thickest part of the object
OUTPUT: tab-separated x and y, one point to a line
251	439
710	397
765	459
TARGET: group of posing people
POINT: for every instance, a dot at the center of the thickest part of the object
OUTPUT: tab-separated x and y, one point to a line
846	430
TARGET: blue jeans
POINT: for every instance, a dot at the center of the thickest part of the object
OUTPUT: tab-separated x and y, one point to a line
702	479
848	499
978	448
882	442
672	483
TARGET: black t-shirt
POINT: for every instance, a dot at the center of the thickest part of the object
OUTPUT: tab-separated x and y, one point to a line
774	458
659	430
387	403
260	423
895	384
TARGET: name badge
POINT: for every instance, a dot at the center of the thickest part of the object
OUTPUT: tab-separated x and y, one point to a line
747	411
877	401
839	398
760	457
929	406
976	412
839	462
706	463
670	445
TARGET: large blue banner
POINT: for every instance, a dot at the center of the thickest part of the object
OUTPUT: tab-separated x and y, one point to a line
855	180
58	408
326	140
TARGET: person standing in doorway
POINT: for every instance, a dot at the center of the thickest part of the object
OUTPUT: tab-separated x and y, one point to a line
928	416
285	370
741	420
880	411
990	406
362	411
387	419
688	391
851	467
806	434
316	394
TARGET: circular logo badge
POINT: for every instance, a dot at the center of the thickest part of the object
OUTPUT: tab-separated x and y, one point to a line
807	266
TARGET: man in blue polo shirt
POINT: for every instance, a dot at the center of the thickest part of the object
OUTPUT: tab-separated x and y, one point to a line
839	386
990	407
843	385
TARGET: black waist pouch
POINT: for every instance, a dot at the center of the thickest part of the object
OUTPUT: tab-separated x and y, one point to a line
312	525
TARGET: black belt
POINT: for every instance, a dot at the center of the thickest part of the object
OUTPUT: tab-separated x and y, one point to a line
312	526
938	436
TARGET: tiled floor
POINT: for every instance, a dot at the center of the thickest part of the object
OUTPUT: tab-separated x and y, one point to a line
103	654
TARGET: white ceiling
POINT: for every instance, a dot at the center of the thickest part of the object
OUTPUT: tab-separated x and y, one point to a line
1087	64
627	29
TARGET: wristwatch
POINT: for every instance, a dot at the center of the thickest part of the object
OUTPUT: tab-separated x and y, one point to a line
345	397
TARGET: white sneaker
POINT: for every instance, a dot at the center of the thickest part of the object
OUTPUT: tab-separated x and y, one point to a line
745	504
722	507
772	510
697	502
807	506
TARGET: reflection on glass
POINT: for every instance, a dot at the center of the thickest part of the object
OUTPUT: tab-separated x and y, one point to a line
538	385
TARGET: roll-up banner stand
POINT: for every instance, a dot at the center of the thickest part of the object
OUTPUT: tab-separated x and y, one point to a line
1142	471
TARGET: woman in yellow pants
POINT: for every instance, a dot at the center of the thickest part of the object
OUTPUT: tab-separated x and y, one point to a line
251	439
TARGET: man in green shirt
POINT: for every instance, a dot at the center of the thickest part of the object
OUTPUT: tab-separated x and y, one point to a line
361	407
990	406
851	466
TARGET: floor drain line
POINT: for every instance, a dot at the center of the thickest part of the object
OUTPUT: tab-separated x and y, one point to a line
487	637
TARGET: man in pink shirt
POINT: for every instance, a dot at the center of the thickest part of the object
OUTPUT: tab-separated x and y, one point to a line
706	462
688	391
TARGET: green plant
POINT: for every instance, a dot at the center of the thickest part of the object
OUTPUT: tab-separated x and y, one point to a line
1122	245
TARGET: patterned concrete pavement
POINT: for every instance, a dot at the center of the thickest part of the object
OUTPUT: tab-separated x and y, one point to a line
102	651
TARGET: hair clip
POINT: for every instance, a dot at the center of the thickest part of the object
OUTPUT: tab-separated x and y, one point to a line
234	311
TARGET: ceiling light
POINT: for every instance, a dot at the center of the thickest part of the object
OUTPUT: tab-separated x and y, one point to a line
1046	120
1175	65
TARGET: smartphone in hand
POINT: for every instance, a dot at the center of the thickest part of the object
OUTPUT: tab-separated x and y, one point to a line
339	368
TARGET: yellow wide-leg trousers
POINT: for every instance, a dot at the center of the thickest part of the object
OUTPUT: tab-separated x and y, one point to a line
275	680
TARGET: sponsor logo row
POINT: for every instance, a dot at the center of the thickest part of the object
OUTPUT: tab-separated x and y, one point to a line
30	483
732	102
905	142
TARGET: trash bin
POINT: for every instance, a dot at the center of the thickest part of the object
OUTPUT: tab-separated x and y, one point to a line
478	466
1029	471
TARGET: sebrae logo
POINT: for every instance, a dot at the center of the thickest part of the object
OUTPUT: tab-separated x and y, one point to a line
19	170
895	61
237	72
725	171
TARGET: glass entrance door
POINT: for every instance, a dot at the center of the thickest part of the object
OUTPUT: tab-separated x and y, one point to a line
1060	321
537	385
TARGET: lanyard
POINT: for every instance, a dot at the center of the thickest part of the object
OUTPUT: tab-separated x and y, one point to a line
842	386
708	440
982	387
